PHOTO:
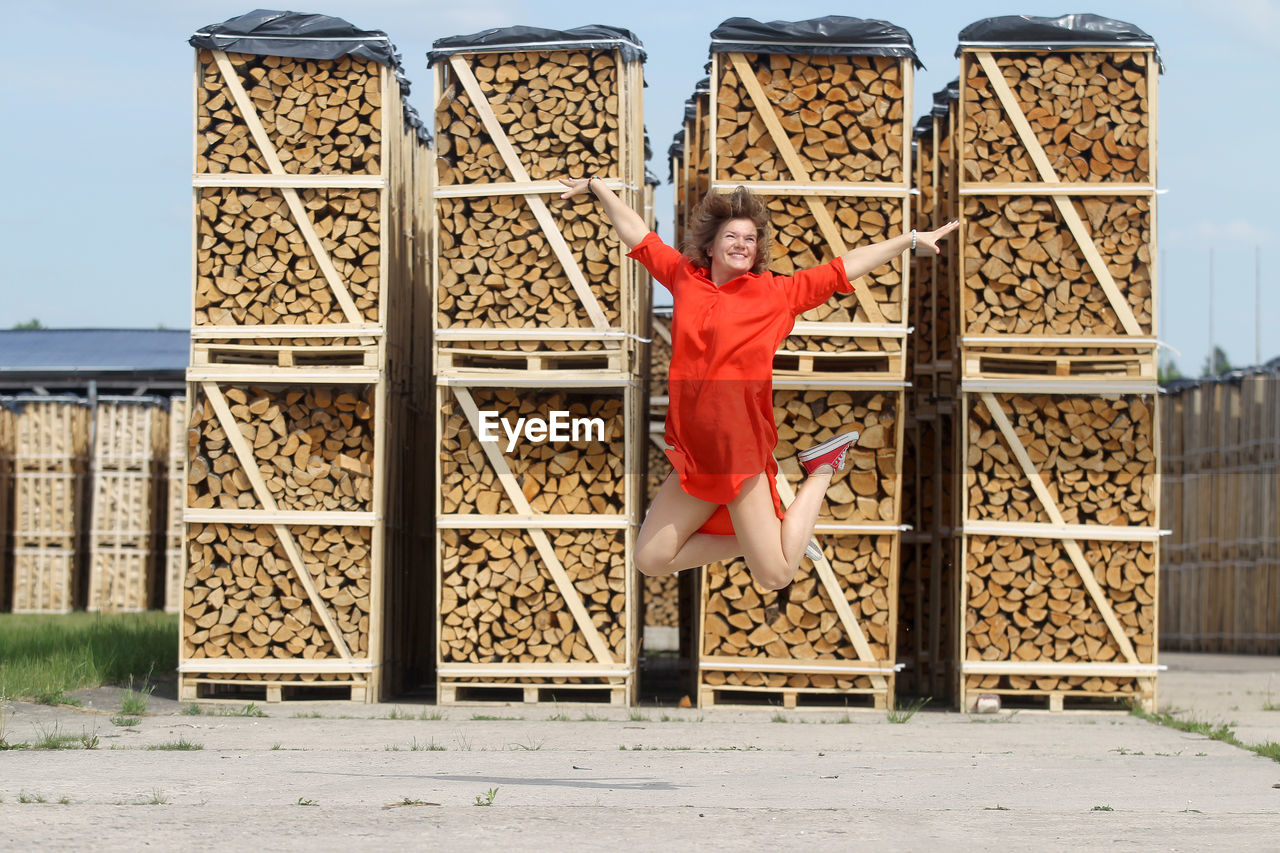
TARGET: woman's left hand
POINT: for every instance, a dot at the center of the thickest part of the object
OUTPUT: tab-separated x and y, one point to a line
932	238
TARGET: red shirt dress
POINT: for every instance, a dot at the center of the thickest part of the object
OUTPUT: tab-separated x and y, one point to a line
720	430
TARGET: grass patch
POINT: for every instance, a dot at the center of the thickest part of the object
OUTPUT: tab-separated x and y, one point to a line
46	657
134	702
638	716
181	744
486	799
24	797
491	717
57	740
1102	809
121	720
779	717
1221	731
560	718
157	799
904	714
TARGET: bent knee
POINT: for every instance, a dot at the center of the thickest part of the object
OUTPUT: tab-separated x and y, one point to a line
774	579
651	564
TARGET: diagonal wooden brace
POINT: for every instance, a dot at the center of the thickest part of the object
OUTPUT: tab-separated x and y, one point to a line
536	203
540	540
244	453
1065	206
1071	546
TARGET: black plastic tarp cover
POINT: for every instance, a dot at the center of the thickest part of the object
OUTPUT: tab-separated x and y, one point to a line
268	32
943	97
834	35
1067	31
594	37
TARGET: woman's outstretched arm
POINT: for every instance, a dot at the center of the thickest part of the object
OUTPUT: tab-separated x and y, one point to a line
862	260
630	227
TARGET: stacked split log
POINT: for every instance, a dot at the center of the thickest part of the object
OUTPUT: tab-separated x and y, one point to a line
523	271
792	116
1220	572
1056	173
927	629
820	128
310	235
50	456
537	312
123	501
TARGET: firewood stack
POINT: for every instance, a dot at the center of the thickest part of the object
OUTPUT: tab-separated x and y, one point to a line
173	539
50	459
537	312
6	502
815	117
926	623
123	500
310	232
1220	568
1056	166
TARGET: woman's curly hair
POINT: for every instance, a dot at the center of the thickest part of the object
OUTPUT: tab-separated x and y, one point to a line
715	210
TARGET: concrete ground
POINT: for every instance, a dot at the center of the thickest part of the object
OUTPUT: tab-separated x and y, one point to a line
354	777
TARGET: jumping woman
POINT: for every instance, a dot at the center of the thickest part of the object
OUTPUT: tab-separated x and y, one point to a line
730	317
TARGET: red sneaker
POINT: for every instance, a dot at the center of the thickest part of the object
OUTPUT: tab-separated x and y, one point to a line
830	452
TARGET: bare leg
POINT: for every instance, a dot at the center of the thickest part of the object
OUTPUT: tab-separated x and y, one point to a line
773	548
668	541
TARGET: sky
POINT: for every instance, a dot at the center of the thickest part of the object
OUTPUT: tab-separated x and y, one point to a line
97	141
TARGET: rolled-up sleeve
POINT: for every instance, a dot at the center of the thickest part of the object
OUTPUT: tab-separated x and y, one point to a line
810	288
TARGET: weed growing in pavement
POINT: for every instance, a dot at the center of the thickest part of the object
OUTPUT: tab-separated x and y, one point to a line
407	801
57	697
134	702
492	717
275	746
486	799
308	715
158	798
429	746
1222	731
56	740
1269	705
302	801
64	800
24	797
1102	809
431	715
464	742
588	717
180	745
779	717
1123	751
996	808
560	718
192	710
250	710
397	714
638	716
902	715
120	720
531	746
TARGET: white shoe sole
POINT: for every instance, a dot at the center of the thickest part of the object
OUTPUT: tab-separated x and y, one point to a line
828	445
812	551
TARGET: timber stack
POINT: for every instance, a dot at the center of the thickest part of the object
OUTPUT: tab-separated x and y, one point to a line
123	500
6	502
49	466
310	224
1220	571
539	363
926	622
815	117
1056	158
172	543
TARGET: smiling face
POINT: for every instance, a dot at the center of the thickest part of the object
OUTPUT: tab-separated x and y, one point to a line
733	252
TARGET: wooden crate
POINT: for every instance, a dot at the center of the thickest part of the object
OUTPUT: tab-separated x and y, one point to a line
125	488
1057	175
174	536
833	641
1059	577
6	502
535	581
517	270
307	177
832	153
51	443
1221	567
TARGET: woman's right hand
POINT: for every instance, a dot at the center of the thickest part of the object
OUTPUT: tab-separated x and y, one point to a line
577	186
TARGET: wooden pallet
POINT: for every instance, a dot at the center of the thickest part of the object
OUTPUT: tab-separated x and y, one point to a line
262	354
232	690
711	696
1058	701
457	361
530	693
1135	365
867	364
43	578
